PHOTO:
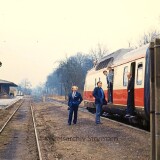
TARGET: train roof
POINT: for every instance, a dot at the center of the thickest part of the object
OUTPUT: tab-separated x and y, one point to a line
121	56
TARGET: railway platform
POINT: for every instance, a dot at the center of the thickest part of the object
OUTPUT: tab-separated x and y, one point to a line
56	140
4	103
86	140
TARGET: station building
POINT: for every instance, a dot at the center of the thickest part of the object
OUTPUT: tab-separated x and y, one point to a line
8	89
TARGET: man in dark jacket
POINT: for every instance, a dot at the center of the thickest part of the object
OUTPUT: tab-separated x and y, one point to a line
99	95
130	99
74	99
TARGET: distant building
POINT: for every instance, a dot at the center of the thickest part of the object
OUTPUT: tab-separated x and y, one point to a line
7	89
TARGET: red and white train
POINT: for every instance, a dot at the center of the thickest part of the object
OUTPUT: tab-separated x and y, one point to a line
122	61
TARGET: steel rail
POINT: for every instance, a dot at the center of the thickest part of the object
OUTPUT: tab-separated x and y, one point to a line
36	134
5	124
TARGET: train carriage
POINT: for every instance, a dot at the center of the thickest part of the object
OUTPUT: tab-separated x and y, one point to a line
122	62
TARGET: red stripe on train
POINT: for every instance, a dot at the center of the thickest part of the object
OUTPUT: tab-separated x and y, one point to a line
120	96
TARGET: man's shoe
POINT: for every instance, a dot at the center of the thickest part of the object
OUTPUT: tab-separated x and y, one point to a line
127	115
69	124
99	123
131	116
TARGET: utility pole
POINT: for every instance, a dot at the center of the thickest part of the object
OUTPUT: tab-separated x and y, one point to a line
152	100
157	96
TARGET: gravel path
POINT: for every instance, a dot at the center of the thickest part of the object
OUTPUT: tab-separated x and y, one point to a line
86	140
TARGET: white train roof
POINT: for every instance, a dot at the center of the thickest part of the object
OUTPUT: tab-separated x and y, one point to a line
121	56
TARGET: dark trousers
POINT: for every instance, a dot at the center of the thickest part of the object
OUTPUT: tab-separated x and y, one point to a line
98	112
130	103
75	110
110	92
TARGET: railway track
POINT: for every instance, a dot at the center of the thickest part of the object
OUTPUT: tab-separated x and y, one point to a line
36	133
9	119
83	109
2	129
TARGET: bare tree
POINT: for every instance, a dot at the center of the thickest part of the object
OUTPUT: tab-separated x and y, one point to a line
148	37
39	90
71	71
98	52
25	86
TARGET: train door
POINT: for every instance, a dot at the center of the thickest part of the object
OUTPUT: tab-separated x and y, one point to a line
133	68
133	71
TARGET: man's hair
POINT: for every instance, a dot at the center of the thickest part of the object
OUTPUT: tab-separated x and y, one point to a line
104	71
98	82
74	87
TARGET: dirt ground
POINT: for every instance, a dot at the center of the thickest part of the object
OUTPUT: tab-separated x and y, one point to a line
86	140
17	141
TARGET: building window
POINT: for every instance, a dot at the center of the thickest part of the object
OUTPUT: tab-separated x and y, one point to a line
139	74
125	78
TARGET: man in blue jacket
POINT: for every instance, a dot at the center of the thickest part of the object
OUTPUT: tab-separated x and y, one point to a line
74	99
100	100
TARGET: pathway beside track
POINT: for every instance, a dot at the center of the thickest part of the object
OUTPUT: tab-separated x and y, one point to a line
86	140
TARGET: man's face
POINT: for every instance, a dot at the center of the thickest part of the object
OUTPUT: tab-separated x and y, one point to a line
105	73
100	84
129	75
74	89
110	69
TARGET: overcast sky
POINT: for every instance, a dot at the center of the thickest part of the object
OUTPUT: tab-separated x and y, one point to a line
36	33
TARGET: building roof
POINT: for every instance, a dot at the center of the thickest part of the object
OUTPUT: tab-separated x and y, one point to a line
8	82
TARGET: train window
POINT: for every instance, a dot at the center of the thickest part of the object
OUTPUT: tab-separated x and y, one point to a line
139	74
125	79
104	63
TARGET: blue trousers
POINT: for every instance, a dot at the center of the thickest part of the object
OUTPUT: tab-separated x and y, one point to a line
71	111
98	112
